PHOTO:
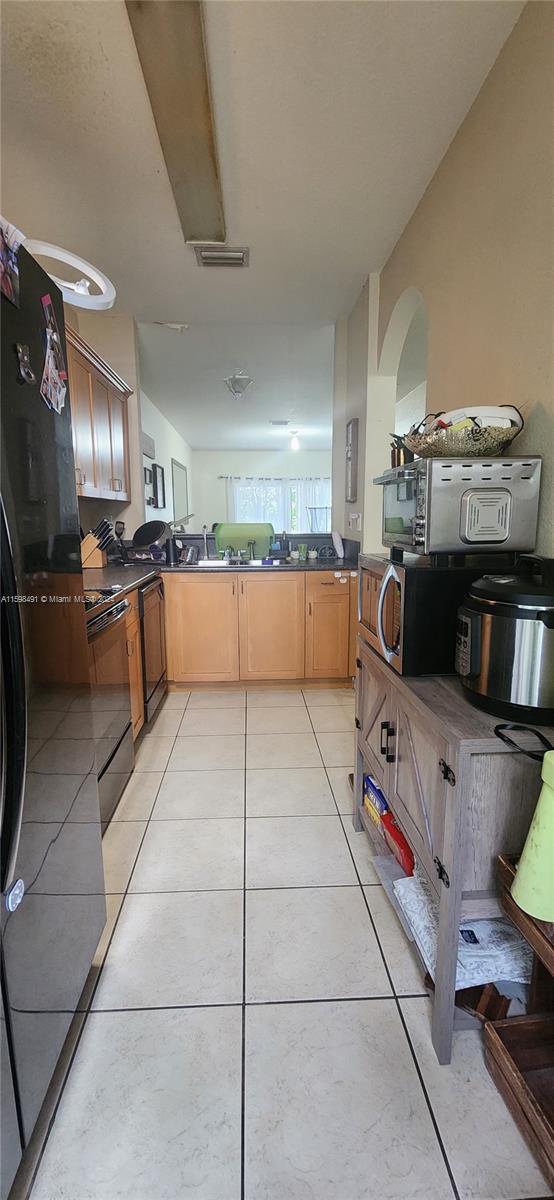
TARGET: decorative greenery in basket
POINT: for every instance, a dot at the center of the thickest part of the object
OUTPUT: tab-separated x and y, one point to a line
466	437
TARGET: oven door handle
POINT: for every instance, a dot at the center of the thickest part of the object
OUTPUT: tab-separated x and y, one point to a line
390	573
104	621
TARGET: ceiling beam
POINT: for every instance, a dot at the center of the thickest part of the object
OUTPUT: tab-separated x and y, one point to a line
170	42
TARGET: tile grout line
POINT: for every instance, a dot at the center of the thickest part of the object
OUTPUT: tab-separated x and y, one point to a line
243	1013
395	996
86	1012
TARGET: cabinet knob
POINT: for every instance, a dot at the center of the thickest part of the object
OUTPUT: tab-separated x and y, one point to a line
130	648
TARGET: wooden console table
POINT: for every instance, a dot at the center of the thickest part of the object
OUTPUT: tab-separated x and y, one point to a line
458	793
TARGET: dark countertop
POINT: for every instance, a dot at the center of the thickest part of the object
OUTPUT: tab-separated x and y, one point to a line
127	577
122	578
334	564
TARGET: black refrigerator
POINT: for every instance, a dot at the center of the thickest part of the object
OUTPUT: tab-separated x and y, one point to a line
53	901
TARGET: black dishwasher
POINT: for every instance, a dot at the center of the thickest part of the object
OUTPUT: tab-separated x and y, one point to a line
152	625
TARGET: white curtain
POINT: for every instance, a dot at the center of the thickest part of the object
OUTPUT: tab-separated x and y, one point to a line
283	502
314	495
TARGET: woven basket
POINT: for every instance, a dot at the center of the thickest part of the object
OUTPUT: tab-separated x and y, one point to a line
461	443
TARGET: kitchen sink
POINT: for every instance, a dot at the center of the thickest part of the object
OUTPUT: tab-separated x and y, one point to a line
222	562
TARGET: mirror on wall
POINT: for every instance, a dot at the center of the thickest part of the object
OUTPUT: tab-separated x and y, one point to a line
245	415
411	380
179	481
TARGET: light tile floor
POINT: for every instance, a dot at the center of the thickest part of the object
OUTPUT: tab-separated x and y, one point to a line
258	1027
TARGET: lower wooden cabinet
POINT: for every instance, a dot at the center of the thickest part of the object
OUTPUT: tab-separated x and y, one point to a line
373	712
271	625
327	625
233	625
201	624
134	654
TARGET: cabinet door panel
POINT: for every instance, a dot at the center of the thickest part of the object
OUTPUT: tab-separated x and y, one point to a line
417	793
373	708
118	431
80	395
102	437
271	623
327	621
134	652
201	627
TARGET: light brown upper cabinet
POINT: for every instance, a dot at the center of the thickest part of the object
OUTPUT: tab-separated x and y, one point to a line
327	624
98	398
201	626
271	625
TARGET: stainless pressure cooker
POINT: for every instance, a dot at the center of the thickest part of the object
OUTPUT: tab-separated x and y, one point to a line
505	642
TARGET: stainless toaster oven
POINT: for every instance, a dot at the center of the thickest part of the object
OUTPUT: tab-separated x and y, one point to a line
457	505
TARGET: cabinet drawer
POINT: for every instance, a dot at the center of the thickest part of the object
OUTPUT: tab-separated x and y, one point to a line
324	583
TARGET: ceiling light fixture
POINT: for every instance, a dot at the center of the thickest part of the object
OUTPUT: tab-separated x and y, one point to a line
294	441
237	383
280	423
76	293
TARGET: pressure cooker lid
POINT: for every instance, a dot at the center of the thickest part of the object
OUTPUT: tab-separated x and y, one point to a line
530	583
151	531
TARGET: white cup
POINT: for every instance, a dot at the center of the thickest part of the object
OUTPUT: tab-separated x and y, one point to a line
294	555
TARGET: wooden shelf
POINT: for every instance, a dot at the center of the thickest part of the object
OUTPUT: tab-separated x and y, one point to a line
519	1051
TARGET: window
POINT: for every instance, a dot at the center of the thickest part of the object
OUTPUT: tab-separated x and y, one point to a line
295	505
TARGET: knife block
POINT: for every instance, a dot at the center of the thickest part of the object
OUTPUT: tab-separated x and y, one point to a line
91	554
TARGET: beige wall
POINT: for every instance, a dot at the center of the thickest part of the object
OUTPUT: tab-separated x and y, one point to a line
479	248
168	444
357	351
350	400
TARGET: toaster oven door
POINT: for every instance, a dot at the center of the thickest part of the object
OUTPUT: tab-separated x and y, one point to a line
381	610
400	508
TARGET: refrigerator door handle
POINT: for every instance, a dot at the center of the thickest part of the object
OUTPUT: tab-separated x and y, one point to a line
14	722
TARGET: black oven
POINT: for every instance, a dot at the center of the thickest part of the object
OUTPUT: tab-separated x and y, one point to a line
111	704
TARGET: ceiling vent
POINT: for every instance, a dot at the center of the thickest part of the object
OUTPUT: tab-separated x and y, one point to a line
211	255
282	423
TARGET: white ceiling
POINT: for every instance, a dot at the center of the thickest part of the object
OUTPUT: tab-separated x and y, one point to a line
330	118
292	369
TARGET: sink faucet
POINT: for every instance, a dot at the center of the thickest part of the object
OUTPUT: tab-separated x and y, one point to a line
228	553
205	532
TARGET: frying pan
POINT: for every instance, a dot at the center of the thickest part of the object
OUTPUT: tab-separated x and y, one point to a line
152	532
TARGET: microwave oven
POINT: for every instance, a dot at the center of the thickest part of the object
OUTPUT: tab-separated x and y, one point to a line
407	612
457	505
